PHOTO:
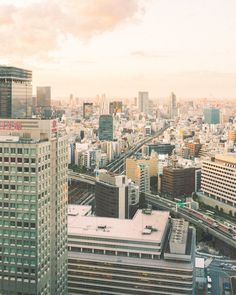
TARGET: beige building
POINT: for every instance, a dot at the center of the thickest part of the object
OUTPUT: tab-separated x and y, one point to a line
232	135
219	183
132	163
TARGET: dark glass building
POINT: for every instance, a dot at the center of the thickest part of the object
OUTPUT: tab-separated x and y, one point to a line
105	131
15	92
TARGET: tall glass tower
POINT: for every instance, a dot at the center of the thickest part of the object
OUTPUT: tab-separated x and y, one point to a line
33	207
105	131
15	92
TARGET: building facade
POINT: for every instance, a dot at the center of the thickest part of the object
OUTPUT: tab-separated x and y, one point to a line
218	182
138	256
15	92
87	110
33	216
115	196
115	107
105	131
143	102
211	115
178	181
173	110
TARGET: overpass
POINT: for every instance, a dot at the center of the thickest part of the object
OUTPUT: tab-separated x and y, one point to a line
206	223
117	166
81	177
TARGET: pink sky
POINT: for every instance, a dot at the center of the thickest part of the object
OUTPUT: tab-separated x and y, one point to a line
118	47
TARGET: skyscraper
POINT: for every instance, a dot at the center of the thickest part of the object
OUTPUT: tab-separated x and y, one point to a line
143	102
44	97
105	131
173	106
211	116
33	200
15	92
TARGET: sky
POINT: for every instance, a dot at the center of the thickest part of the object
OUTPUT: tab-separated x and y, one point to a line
120	47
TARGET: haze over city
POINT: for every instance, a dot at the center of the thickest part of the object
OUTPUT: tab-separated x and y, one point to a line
116	47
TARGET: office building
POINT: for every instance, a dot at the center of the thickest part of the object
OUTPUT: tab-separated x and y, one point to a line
115	196
115	107
173	110
87	110
211	115
143	102
33	216
142	177
194	148
178	181
105	131
143	255
44	97
160	148
218	183
15	92
133	162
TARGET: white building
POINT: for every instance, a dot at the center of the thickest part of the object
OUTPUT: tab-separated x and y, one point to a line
123	256
218	182
142	177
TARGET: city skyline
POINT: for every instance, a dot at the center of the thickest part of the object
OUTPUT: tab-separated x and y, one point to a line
175	46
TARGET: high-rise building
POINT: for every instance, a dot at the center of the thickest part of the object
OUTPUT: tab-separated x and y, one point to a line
149	254
44	97
33	220
15	92
173	106
115	107
105	131
178	181
218	183
142	177
143	101
211	116
87	110
115	196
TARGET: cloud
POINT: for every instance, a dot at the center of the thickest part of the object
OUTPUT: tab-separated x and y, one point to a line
35	29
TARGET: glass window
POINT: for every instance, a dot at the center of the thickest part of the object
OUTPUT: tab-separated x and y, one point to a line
19	151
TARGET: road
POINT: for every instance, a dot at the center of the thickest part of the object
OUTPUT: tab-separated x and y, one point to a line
208	224
217	274
117	166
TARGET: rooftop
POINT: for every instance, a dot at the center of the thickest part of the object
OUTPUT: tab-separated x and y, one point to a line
143	227
230	158
79	210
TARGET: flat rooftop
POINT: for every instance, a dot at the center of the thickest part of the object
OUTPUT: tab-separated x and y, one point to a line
143	227
79	210
229	158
